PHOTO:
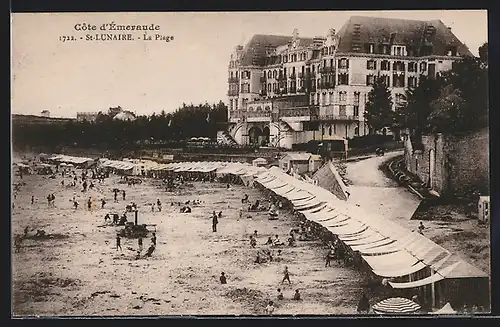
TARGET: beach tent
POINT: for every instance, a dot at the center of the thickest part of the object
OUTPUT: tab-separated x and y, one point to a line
396	305
446	310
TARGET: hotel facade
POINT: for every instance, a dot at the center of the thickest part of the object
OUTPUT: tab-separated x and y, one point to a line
286	90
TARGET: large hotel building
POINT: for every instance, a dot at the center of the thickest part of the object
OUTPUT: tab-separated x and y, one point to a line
286	90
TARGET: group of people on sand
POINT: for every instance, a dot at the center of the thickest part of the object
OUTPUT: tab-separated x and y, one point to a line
140	243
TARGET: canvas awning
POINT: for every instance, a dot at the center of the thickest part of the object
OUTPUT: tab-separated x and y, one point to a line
421	282
401	272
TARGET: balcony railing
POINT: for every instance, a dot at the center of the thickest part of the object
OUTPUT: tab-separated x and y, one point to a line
233	80
293	76
312	89
326	85
263	92
301	75
232	92
311	75
309	111
327	70
250	115
263	79
338	117
281	78
293	90
301	90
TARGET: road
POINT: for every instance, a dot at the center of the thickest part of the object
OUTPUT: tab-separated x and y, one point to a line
373	191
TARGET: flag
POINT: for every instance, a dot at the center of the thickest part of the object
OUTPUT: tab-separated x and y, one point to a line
208	118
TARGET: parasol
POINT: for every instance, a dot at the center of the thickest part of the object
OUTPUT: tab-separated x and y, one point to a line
396	305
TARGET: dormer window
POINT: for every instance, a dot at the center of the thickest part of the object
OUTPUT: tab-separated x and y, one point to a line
398	50
452	51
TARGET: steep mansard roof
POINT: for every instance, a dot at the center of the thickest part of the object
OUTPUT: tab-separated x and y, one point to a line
359	30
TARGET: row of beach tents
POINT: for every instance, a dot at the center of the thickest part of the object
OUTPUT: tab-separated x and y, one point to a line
389	249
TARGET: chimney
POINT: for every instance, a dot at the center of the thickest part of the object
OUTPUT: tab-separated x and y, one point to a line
449	28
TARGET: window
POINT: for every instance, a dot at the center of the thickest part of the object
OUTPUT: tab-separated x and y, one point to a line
371	64
231	104
343	96
343	63
269	87
356	97
385	80
356	131
398	66
269	74
356	110
235	104
274	87
384	65
330	130
343	79
423	66
370	79
342	110
275	73
317	98
412	66
412	81
398	80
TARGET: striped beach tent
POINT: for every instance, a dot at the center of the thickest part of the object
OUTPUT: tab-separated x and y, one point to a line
396	305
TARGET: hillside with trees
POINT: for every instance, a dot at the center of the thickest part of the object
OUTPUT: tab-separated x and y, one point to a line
202	120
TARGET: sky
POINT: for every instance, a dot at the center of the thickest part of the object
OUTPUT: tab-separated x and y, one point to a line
151	76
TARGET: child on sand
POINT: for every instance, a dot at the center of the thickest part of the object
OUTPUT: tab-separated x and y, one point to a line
222	278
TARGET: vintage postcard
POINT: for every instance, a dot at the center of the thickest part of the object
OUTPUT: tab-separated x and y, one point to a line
250	163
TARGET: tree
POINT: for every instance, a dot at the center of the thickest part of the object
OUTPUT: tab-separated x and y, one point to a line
378	112
448	115
470	77
413	115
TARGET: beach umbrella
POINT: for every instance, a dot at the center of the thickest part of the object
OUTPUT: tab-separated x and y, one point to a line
396	305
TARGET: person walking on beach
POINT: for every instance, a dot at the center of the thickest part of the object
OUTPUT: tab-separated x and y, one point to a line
215	221
103	202
118	242
32	199
123	195
158	204
89	204
140	244
286	276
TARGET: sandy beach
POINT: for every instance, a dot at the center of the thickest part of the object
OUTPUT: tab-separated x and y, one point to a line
79	272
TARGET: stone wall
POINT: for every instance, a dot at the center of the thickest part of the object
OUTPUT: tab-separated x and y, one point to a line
460	163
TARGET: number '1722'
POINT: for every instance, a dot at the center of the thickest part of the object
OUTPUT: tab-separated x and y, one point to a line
64	38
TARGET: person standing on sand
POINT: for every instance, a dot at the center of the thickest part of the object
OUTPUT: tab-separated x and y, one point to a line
118	242
116	195
153	239
140	244
32	199
286	276
296	296
123	195
280	294
215	221
363	304
89	204
270	308
158	204
103	202
222	278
